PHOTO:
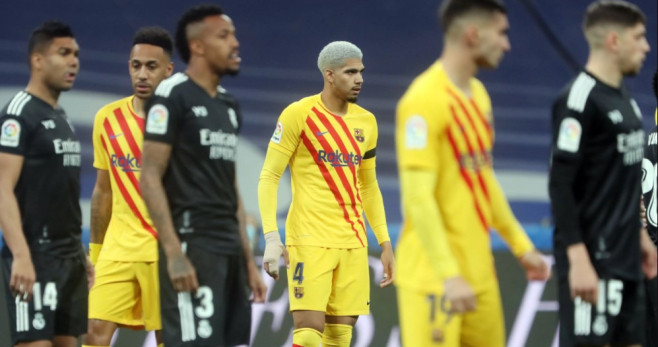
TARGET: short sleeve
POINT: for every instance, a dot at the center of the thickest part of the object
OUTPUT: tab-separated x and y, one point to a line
13	135
288	129
101	160
163	119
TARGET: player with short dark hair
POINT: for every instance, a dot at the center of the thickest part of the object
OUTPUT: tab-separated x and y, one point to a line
601	249
44	263
123	242
189	185
330	144
447	288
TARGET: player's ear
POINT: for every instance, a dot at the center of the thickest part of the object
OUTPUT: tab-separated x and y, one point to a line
36	61
197	47
170	69
329	75
611	40
472	35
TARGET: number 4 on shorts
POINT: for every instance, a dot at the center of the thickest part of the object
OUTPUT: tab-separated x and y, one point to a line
298	275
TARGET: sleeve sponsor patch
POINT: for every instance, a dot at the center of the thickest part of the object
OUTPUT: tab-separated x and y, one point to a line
10	133
569	137
157	120
415	133
278	132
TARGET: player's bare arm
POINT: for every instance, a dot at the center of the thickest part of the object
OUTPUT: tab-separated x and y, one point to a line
22	270
388	262
101	211
155	157
649	259
535	266
258	287
583	279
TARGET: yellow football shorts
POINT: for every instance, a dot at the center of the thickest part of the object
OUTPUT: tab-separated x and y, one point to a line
425	320
126	293
331	280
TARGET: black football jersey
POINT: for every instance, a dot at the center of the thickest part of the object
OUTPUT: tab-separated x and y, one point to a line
200	179
595	175
48	189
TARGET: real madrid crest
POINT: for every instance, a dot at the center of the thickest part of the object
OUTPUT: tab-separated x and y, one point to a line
358	134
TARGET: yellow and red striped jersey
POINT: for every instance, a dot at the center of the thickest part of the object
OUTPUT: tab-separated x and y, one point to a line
117	138
326	153
440	129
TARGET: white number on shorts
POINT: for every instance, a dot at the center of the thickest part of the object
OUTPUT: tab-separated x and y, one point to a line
615	288
49	296
206	308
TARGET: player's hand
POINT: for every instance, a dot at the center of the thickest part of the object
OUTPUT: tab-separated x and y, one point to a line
22	277
258	287
536	267
460	295
388	263
274	249
583	280
649	257
182	273
91	273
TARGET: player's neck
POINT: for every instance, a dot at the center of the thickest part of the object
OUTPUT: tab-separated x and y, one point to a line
208	80
333	103
138	106
459	67
603	67
39	89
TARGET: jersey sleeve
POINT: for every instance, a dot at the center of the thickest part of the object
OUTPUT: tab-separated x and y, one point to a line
368	158
13	135
570	128
164	116
288	129
418	129
101	159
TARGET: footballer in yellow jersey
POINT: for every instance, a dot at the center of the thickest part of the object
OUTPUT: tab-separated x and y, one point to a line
450	196
123	244
329	143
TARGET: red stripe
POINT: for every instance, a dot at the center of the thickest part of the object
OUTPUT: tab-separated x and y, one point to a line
342	123
468	117
339	170
341	146
486	123
467	179
471	152
117	150
127	197
330	183
138	119
137	152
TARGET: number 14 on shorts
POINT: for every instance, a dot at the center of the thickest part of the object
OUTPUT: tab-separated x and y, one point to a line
610	296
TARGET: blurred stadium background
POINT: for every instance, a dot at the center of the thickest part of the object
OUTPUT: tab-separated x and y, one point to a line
279	43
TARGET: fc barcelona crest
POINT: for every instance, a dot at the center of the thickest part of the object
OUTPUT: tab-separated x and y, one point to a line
299	292
358	134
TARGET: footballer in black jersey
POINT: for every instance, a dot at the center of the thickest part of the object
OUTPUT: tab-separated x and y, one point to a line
189	185
602	253
200	178
42	256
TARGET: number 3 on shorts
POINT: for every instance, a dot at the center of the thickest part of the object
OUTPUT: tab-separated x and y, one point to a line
298	275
